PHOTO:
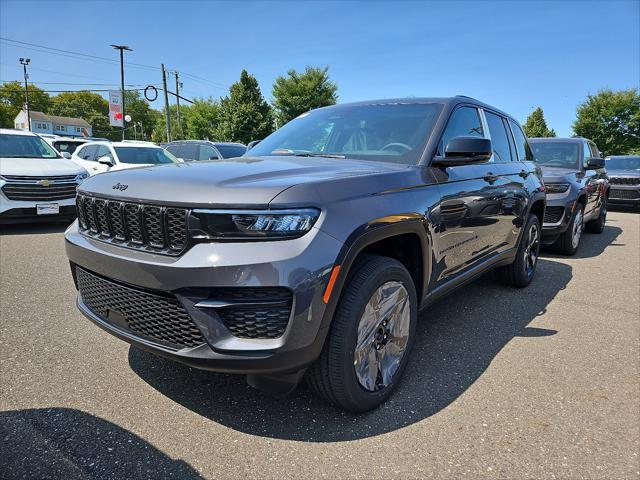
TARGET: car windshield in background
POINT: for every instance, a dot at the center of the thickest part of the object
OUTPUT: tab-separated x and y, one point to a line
556	154
623	163
66	146
25	146
144	155
386	132
231	151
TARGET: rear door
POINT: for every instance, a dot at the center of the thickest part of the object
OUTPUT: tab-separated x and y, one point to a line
464	219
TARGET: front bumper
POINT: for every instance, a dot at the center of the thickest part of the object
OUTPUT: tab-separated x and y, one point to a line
301	265
557	217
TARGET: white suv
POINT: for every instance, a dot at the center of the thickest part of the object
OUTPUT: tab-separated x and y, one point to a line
100	157
35	181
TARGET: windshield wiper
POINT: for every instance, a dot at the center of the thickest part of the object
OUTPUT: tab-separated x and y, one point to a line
305	153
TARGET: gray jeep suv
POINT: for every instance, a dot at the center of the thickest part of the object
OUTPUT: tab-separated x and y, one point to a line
313	254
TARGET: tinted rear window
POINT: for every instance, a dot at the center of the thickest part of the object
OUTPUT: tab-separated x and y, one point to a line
142	155
230	151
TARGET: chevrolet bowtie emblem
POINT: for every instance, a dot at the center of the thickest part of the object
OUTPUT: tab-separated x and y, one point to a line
44	183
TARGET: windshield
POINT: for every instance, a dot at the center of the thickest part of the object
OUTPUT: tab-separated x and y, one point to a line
389	132
623	163
144	155
231	151
556	154
66	145
25	146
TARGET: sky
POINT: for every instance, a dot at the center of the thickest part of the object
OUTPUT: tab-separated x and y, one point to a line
514	55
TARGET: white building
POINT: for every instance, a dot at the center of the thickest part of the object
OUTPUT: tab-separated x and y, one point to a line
41	123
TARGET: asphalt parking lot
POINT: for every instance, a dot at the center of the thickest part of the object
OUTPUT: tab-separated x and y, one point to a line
503	383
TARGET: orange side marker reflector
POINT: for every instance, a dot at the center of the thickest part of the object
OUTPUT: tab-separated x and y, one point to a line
332	280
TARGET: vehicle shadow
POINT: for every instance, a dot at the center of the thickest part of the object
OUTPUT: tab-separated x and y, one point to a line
33	228
68	443
593	244
456	341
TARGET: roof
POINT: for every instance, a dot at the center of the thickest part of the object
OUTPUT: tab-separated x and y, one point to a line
43	117
235	144
13	131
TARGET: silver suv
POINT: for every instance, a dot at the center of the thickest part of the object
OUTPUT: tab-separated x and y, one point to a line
311	255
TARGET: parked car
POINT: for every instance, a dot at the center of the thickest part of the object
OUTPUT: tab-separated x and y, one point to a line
624	177
314	254
65	146
100	157
577	188
196	150
35	181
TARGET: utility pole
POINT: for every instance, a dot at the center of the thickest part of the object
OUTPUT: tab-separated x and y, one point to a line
24	62
166	101
178	85
122	48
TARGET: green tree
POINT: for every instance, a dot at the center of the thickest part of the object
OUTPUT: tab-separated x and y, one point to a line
202	119
612	120
12	101
244	114
141	113
298	93
536	125
159	131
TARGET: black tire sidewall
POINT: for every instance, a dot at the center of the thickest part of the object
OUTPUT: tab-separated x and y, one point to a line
523	278
350	315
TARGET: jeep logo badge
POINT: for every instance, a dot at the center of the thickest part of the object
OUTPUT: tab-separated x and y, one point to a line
120	186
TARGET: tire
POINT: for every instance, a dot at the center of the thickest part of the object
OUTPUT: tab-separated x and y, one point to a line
333	376
520	273
597	225
567	243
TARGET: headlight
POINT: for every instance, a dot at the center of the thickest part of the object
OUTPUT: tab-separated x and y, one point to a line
80	177
251	224
556	187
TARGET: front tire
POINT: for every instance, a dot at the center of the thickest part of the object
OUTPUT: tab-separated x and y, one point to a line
597	225
373	329
569	241
520	273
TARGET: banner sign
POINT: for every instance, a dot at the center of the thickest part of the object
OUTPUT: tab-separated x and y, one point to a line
115	108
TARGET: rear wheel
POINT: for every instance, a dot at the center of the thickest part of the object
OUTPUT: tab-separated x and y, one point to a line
597	225
569	241
521	271
371	336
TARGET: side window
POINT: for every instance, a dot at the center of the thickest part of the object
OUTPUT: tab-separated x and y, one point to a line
464	122
103	151
207	153
189	151
587	153
89	153
595	153
80	152
174	150
522	146
499	138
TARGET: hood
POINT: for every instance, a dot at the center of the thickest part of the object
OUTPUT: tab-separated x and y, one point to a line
244	181
559	174
623	173
39	167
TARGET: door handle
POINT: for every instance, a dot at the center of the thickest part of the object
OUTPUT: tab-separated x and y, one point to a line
524	174
490	177
95	168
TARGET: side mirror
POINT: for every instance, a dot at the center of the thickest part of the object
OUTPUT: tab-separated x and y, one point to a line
66	155
464	151
595	163
252	144
105	160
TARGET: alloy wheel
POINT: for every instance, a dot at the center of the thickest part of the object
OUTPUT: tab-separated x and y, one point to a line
577	229
532	249
383	336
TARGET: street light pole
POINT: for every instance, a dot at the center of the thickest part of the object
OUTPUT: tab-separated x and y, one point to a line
122	48
24	62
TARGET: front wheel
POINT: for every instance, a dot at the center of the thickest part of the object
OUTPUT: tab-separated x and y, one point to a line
368	346
569	241
521	271
597	225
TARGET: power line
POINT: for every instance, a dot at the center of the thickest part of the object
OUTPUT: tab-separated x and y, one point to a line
52	71
80	84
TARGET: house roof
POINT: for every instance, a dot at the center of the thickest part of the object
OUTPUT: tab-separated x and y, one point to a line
41	117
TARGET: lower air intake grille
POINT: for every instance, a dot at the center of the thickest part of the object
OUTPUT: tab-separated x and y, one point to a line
265	315
158	317
624	194
553	214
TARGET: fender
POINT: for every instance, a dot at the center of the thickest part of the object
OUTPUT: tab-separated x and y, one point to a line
370	233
